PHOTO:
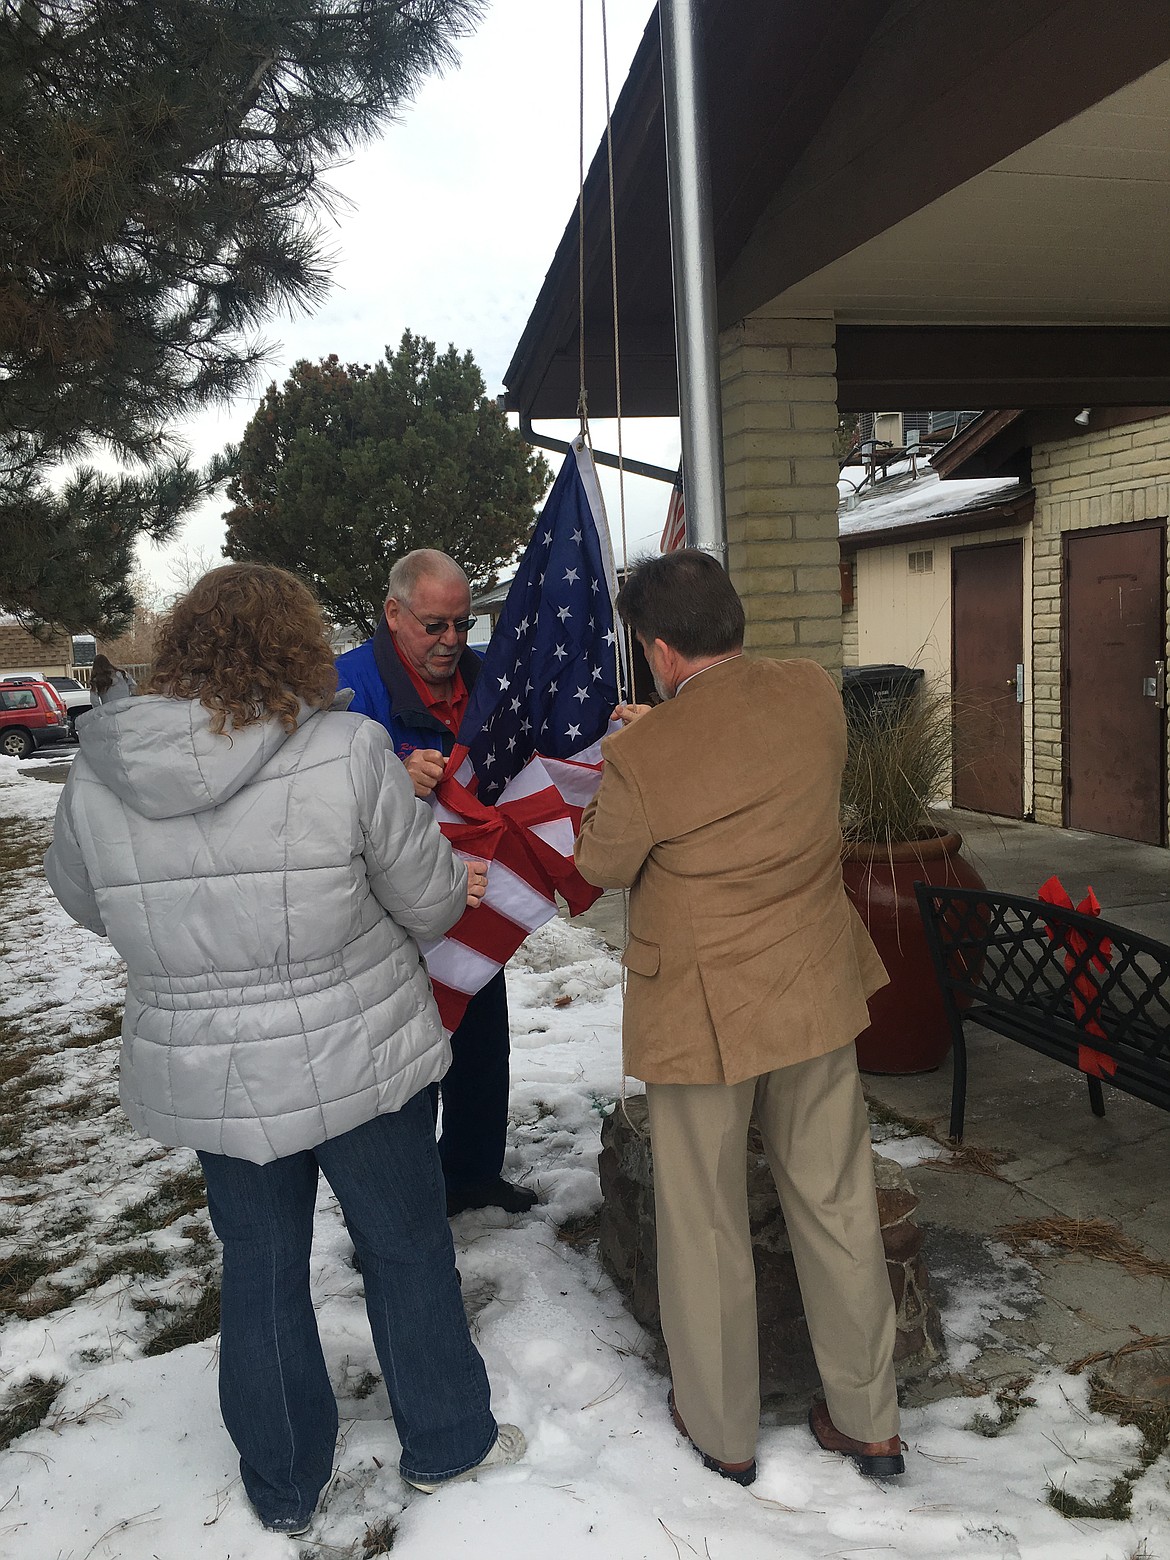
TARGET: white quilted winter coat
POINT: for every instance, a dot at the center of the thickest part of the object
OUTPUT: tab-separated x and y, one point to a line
265	891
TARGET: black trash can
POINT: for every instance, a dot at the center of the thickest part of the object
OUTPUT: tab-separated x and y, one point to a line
873	691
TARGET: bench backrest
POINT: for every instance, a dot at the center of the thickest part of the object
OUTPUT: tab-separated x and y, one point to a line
1054	979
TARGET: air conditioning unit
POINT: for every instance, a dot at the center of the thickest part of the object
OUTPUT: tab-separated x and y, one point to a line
887	428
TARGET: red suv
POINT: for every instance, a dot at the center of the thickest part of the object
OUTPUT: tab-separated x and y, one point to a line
31	716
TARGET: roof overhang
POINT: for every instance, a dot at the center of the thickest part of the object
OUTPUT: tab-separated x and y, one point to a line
976	517
950	171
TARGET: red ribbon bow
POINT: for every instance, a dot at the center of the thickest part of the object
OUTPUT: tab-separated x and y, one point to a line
1086	993
505	832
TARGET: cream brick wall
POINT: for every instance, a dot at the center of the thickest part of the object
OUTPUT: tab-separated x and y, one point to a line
23	652
1086	481
780	471
849	644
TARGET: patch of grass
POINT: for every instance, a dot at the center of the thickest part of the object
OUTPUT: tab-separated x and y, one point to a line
198	1234
175	1196
141	1261
1152	1418
71	1223
109	1022
366	1384
1011	1401
1099	1238
79	1105
26	1408
1135	1346
148	1305
191	1324
19	849
20	1272
969	1156
886	1116
1114	1507
379	1538
19	1075
580	1230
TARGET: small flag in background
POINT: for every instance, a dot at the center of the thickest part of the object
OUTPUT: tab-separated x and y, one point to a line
527	761
674	532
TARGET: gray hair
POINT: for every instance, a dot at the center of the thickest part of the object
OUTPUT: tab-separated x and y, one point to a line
423	563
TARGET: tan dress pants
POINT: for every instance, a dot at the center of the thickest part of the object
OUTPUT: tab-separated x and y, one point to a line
816	1136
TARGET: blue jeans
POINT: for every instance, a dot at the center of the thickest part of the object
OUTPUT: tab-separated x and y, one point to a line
274	1389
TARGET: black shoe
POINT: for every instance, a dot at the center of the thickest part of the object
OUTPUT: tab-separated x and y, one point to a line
489	1194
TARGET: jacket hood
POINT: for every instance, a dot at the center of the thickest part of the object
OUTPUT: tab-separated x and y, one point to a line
160	757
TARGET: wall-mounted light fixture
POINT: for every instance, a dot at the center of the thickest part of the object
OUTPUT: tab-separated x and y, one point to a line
1082	418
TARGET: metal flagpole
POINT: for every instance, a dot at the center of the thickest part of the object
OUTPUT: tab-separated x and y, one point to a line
692	248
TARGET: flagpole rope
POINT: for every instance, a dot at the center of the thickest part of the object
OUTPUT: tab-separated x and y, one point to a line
582	410
617	378
582	402
617	351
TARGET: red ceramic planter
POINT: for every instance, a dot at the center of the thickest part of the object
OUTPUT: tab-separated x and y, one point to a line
908	1031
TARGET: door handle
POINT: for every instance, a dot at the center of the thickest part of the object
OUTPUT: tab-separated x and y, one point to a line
1155	687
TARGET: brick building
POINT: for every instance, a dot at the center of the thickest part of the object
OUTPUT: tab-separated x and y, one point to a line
1032	585
916	203
21	651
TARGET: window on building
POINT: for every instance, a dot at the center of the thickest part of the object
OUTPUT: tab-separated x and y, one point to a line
921	562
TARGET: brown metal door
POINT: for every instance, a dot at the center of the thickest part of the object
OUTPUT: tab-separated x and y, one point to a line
1114	675
987	655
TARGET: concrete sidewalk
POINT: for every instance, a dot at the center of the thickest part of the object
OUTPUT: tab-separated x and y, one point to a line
1058	1158
1049	1155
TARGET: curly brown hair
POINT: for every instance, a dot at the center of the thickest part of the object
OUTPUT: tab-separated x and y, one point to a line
248	641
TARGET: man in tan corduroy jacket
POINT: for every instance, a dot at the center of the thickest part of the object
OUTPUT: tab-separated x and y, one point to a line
748	974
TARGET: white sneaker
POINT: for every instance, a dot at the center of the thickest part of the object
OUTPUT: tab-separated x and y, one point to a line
509	1447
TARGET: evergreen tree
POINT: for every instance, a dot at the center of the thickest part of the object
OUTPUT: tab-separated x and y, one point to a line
160	194
346	468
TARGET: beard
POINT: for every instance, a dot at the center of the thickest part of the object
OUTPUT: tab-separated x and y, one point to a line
662	690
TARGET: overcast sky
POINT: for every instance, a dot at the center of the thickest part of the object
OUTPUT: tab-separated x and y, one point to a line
452	221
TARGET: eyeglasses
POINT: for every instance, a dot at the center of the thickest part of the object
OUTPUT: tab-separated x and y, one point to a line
441	625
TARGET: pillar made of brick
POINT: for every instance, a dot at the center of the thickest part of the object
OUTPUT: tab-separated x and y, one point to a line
779	429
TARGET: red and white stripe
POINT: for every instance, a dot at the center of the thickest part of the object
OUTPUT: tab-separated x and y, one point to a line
528	837
674	532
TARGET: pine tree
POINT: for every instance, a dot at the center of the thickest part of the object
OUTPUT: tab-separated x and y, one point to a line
346	468
161	190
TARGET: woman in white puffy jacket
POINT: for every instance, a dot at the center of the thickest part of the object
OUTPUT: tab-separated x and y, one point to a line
263	867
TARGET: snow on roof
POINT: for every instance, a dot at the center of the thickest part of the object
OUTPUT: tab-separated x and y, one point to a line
902	500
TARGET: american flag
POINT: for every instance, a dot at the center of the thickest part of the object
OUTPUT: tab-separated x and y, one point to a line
528	761
674	532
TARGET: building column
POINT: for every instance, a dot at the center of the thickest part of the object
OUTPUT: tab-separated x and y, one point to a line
780	469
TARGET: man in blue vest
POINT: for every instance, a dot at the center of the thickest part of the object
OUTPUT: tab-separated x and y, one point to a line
415	677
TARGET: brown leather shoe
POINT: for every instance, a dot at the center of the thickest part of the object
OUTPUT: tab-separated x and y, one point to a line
878	1459
739	1472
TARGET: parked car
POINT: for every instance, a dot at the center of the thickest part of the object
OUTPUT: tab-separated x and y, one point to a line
31	716
76	698
73	697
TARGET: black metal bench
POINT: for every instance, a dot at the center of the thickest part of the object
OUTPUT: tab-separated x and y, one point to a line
1076	988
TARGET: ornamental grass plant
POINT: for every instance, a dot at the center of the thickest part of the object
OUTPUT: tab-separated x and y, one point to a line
898	764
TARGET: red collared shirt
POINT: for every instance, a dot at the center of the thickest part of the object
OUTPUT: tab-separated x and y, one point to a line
449	711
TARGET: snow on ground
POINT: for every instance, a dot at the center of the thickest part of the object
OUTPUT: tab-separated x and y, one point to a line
132	1462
